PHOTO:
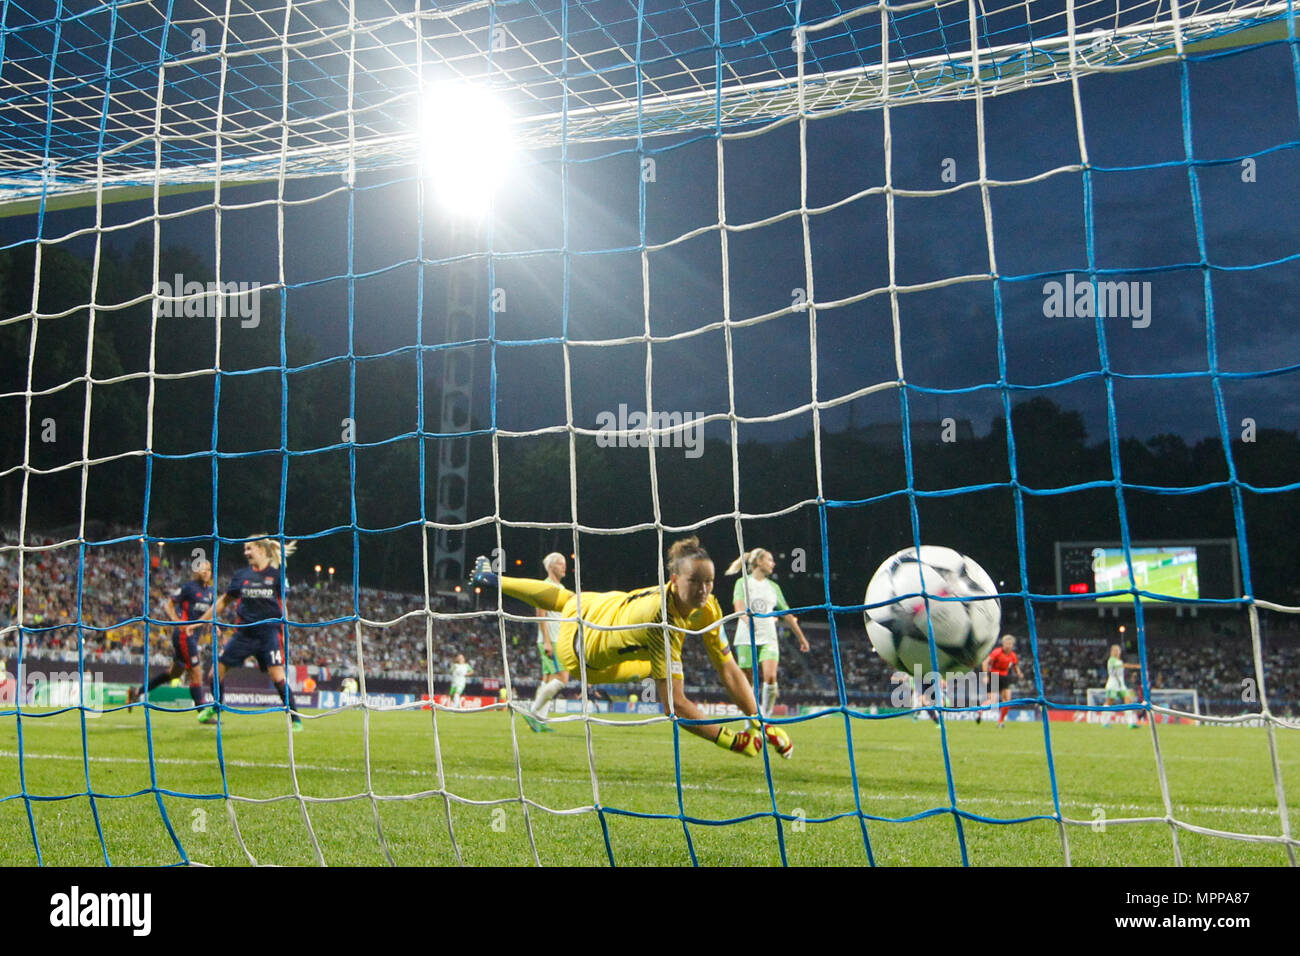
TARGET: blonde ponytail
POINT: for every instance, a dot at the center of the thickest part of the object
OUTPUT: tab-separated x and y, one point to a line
273	552
746	561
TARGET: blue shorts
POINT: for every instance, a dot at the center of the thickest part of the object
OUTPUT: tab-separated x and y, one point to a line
185	648
263	641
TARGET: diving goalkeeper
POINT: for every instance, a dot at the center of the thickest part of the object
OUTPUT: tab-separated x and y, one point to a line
619	656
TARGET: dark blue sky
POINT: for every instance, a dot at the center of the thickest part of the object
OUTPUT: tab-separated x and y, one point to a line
1142	219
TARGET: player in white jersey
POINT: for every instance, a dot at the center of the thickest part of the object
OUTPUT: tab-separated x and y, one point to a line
554	676
757	592
1117	691
460	671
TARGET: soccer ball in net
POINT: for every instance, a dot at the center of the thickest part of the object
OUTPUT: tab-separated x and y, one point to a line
964	631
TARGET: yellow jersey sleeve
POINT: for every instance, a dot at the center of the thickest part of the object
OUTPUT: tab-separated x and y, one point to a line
715	644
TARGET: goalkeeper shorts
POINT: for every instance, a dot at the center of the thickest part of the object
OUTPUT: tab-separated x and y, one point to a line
621	673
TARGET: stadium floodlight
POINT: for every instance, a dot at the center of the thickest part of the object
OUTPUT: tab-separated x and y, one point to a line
467	145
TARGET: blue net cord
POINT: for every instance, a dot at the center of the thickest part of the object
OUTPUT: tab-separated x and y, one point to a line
1014	479
1116	483
1221	415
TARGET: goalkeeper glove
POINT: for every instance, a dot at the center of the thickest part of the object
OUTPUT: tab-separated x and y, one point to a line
741	742
778	739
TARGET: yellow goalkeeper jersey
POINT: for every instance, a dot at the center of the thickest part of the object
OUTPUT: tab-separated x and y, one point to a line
617	656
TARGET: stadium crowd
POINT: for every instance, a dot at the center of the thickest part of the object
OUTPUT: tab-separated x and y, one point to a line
1214	659
321	613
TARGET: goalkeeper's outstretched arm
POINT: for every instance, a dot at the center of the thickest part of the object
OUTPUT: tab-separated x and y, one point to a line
749	739
742	742
737	689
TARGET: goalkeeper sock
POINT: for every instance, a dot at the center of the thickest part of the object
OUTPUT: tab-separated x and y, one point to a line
545	694
769	698
543	594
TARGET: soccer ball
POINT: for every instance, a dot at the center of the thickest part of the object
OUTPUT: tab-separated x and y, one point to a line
964	631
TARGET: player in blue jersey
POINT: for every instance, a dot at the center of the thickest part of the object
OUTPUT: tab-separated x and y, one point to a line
258	598
190	602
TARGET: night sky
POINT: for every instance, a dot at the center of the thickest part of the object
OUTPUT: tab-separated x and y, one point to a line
1143	227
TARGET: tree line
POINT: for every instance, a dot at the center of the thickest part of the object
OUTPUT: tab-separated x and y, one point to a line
332	448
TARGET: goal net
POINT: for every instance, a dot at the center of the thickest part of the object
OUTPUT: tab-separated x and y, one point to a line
406	284
1169	705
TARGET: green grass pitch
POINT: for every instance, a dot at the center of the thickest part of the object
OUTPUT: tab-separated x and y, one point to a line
1219	778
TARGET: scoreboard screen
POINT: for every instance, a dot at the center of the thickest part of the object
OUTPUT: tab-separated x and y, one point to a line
1092	573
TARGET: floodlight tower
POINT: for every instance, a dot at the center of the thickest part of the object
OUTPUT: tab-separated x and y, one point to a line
452	500
467	142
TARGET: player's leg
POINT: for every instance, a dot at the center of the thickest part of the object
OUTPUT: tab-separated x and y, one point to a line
276	673
1113	697
566	665
543	593
232	655
544	699
990	697
162	677
554	677
562	678
742	654
195	675
134	694
190	663
1002	711
566	662
547	691
209	714
768	658
171	673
